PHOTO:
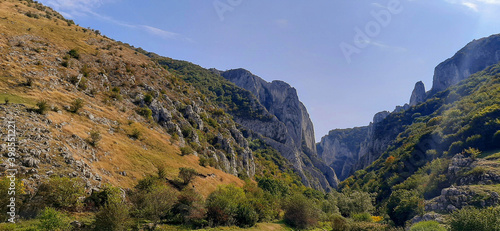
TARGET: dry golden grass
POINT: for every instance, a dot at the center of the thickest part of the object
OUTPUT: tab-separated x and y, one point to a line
116	152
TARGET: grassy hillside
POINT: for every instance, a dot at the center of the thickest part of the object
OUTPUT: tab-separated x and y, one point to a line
459	125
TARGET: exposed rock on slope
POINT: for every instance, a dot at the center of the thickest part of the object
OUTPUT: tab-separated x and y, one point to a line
474	57
292	131
418	94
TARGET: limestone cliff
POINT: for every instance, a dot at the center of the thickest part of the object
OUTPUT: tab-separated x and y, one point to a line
418	94
291	132
474	57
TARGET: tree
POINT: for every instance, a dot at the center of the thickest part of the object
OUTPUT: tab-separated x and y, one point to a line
52	220
222	205
403	205
301	212
187	174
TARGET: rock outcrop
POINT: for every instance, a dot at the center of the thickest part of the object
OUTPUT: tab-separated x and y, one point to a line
290	130
418	94
473	58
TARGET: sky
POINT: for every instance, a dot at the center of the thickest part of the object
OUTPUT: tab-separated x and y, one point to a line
347	59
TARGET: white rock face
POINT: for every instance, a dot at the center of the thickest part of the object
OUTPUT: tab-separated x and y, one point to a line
291	131
474	57
418	94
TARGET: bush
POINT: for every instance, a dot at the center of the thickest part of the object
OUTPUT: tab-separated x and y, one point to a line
94	138
222	205
146	112
362	217
5	200
352	202
427	226
148	99
100	198
186	151
403	205
156	204
187	174
136	134
73	53
474	219
61	192
339	223
190	209
301	212
43	107
76	105
52	220
113	216
246	215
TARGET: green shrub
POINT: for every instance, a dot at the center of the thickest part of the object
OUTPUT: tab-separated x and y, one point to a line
362	217
145	112
352	202
300	212
222	205
76	105
186	151
136	134
52	220
187	174
339	223
148	99
156	204
113	216
189	209
403	205
246	215
94	138
367	226
473	219
43	107
61	192
73	53
99	199
5	200
427	226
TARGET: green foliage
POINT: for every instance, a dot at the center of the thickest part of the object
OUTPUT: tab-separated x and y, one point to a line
352	202
108	194
43	107
113	216
53	220
427	226
94	137
404	205
76	105
187	174
366	217
190	209
145	112
246	216
61	192
74	53
155	204
225	207
273	186
136	134
473	219
301	212
148	98
186	151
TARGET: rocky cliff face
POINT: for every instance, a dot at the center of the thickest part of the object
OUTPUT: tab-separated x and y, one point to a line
418	94
349	150
337	150
291	132
474	57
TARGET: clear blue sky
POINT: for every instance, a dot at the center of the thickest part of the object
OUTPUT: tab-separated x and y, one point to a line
300	41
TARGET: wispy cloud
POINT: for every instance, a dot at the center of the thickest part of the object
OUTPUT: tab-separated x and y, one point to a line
471	5
86	8
385	46
476	5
